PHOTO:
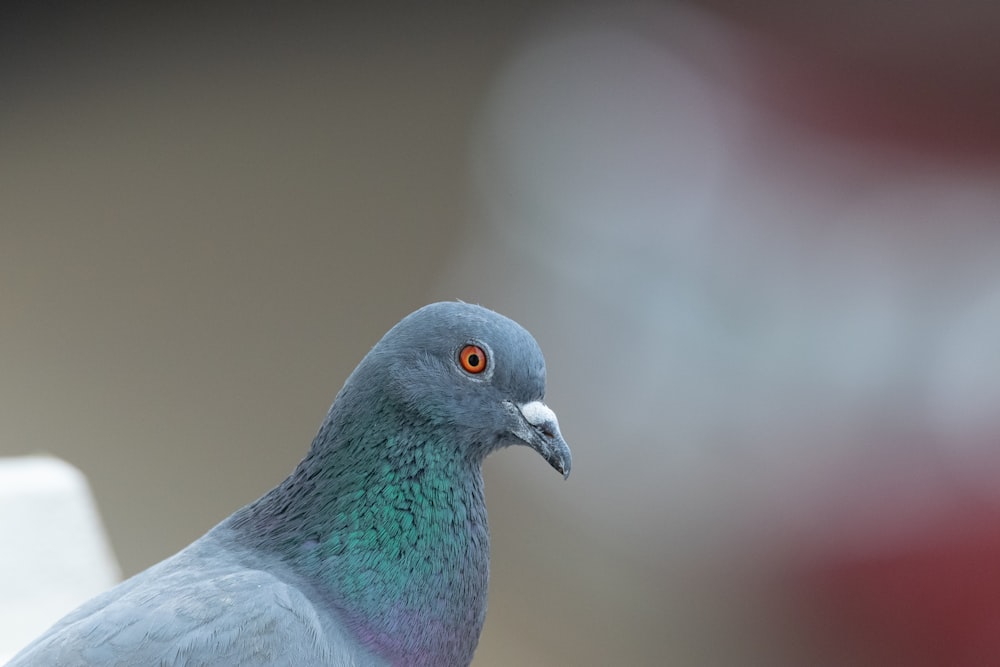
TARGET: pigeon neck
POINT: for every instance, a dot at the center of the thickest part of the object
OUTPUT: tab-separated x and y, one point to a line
391	529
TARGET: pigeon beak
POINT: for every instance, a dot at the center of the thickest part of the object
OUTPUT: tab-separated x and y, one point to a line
536	425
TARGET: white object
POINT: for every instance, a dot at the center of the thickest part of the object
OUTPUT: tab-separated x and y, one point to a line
54	554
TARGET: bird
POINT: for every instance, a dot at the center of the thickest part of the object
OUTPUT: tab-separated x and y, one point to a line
375	549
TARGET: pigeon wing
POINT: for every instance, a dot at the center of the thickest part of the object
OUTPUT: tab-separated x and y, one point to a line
174	614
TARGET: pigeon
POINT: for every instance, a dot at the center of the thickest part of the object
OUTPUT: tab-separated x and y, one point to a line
375	550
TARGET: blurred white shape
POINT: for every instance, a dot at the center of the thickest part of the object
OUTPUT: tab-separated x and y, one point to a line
597	130
599	159
55	554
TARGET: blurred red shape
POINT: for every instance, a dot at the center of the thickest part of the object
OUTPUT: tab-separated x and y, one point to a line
932	601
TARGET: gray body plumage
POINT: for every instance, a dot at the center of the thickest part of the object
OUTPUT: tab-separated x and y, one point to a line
212	603
375	550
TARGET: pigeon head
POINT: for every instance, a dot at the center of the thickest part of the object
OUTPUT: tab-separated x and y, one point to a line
469	370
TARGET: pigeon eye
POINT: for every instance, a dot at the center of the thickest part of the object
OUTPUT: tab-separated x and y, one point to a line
473	359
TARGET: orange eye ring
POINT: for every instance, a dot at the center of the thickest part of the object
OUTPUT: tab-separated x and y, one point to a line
473	359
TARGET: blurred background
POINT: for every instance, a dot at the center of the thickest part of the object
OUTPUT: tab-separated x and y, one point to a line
759	243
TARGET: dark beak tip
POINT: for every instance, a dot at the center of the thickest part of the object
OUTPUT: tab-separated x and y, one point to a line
562	465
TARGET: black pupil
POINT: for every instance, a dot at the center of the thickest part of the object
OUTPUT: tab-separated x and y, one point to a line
473	360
